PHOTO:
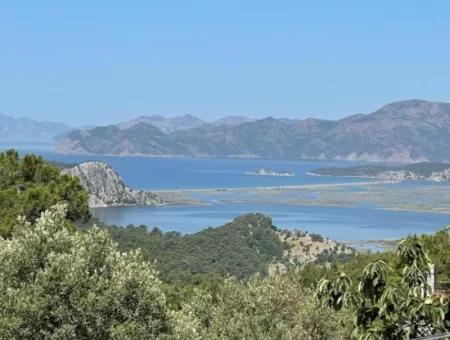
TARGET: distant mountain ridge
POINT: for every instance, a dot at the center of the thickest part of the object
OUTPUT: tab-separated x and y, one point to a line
232	120
405	131
166	125
185	122
29	130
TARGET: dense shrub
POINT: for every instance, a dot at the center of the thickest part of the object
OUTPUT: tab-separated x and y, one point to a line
263	308
316	237
384	309
55	283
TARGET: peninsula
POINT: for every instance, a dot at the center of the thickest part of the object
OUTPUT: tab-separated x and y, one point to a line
435	172
106	187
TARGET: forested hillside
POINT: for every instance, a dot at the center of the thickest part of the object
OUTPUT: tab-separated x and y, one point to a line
248	245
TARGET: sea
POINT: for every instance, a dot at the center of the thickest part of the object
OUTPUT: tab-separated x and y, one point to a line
357	223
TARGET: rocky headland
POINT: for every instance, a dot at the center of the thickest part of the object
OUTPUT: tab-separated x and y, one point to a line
106	187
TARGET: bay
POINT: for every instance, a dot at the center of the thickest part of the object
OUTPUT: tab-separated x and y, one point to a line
362	222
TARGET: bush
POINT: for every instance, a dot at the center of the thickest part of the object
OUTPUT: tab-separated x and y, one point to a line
60	284
386	310
317	237
263	308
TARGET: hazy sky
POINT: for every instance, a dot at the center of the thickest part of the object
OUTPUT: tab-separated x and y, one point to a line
96	62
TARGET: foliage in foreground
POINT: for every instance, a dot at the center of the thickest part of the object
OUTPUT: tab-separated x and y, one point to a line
383	310
437	246
58	284
30	185
263	308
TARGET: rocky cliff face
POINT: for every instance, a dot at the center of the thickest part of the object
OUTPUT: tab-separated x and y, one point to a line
106	188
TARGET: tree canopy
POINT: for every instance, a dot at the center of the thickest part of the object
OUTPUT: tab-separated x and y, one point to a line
241	248
30	185
263	308
59	284
383	309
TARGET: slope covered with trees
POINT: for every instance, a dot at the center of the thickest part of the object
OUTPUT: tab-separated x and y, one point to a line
240	248
248	245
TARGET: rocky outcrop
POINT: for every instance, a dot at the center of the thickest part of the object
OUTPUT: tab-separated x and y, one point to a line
106	187
440	176
436	172
400	175
436	176
305	248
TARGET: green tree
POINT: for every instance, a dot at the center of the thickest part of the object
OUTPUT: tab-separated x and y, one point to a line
384	310
262	308
59	284
31	185
438	246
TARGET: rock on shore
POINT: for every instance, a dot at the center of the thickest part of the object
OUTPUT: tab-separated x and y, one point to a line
106	187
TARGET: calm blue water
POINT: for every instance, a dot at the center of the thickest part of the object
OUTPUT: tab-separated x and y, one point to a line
360	223
147	173
364	222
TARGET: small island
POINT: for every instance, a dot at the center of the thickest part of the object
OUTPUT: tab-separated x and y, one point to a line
269	172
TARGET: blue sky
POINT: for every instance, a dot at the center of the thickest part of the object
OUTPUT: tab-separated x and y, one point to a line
98	62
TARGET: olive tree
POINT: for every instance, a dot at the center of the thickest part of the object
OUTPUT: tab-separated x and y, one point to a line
56	283
262	308
383	310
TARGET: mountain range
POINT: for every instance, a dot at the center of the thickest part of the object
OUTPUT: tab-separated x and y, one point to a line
26	130
166	125
404	131
185	122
